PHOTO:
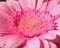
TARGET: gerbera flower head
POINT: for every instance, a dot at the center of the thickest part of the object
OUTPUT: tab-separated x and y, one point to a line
29	24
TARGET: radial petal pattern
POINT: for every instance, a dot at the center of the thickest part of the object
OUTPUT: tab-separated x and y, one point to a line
30	24
51	4
27	3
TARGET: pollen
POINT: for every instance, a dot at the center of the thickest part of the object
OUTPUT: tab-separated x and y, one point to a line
33	23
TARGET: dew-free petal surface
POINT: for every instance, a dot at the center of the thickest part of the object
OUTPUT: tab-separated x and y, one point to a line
55	10
27	4
33	43
39	3
14	41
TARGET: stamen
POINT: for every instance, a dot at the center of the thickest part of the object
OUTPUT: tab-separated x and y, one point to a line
32	22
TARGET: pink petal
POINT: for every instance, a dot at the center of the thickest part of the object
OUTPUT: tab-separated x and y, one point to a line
3	40
14	5
4	23
39	3
27	3
46	43
55	32
52	45
43	7
30	3
15	41
6	15
55	10
33	43
58	23
5	8
4	26
51	4
50	36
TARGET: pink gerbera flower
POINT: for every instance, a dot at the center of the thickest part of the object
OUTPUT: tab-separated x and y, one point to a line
30	24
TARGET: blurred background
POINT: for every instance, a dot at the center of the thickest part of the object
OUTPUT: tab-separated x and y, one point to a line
2	0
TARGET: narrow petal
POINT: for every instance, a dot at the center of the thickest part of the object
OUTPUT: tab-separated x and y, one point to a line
58	23
6	14
55	10
27	3
51	4
5	19
43	7
4	26
15	41
3	40
46	43
55	32
22	3
49	36
30	3
52	45
39	3
5	8
33	43
14	5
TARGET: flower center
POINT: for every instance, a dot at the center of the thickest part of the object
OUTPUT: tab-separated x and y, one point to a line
32	22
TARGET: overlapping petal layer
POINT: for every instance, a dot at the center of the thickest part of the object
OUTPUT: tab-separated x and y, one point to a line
8	11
